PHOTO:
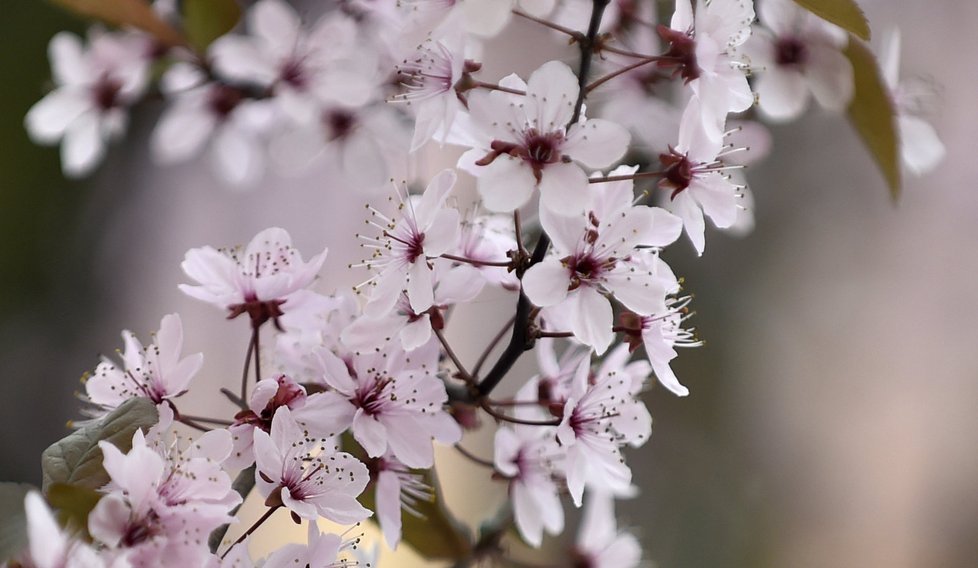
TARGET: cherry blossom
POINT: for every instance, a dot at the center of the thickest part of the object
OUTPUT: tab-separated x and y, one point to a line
695	174
429	77
424	229
595	255
598	418
397	488
156	371
215	118
451	285
299	473
525	454
920	148
256	281
524	142
390	400
95	86
796	53
705	51
321	550
305	68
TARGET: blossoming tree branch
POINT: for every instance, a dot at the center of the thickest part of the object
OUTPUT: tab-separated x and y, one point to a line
586	169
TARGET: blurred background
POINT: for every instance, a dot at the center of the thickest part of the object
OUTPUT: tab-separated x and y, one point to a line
832	420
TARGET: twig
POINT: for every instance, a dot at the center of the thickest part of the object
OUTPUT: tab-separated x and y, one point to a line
451	355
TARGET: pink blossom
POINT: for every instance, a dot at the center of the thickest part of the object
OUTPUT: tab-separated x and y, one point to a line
95	88
256	281
298	472
521	143
155	371
390	400
796	53
425	229
525	454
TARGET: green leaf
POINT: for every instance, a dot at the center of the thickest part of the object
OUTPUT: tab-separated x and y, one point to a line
77	459
135	13
844	13
206	20
13	519
437	534
74	504
873	115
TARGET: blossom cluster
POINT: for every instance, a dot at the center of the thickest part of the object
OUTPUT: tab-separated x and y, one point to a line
344	401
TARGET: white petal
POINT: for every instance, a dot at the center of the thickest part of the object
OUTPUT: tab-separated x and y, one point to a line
48	119
82	148
782	95
830	77
420	286
551	93
486	17
545	283
68	63
564	189
277	24
505	184
920	148
593	319
597	143
370	433
180	134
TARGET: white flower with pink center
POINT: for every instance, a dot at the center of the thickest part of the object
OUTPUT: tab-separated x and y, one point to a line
452	285
594	256
600	416
322	550
257	280
527	456
390	401
524	143
429	76
795	53
705	51
425	229
696	175
95	88
304	68
156	371
298	472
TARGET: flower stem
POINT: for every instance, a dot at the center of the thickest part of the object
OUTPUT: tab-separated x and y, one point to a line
252	529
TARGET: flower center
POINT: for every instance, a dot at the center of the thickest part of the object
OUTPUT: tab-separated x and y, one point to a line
293	74
681	53
790	52
106	93
677	171
339	124
222	100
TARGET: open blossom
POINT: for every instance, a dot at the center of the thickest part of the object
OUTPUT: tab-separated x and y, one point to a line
597	419
594	255
796	53
489	239
452	285
266	398
156	371
215	118
526	455
425	229
429	76
523	142
695	175
390	400
322	550
256	281
706	54
397	488
304	68
164	500
95	88
296	471
920	148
